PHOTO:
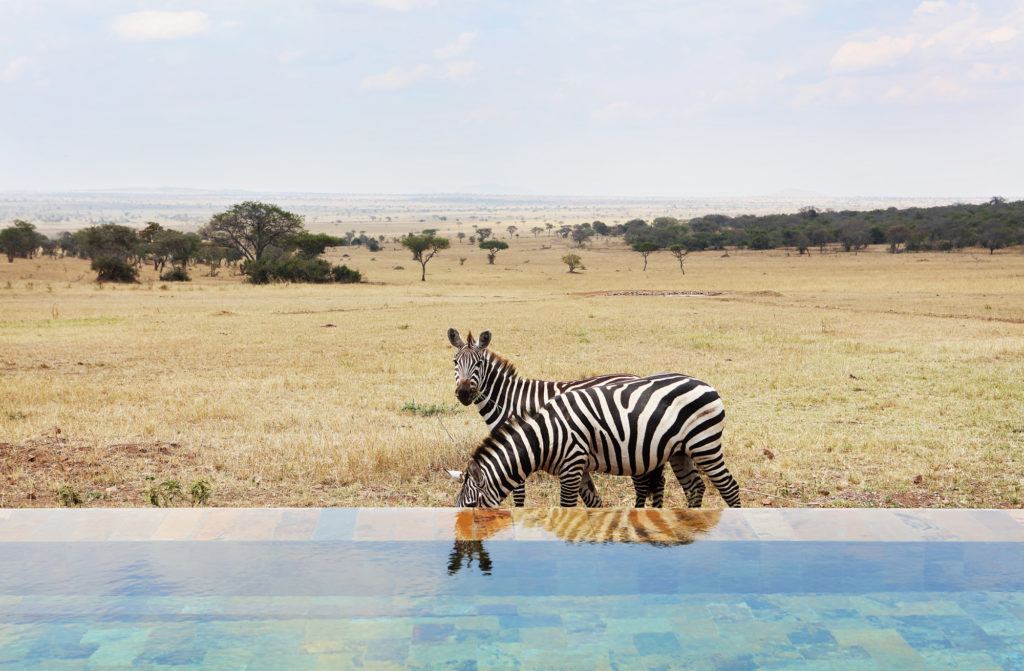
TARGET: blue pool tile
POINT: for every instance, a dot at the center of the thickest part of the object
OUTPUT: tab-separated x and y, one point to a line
657	644
387	650
811	636
497	609
522	621
430	632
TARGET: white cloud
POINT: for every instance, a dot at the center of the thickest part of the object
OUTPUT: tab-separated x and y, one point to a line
397	77
866	55
458	69
161	25
1001	34
453	49
621	110
393	5
14	68
930	89
930	7
400	76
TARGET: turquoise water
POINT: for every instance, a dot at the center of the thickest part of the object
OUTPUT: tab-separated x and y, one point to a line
510	604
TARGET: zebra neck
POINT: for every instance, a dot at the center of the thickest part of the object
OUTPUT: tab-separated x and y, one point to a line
504	395
498	386
510	461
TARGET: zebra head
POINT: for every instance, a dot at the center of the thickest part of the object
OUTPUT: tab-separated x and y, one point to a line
477	490
469	364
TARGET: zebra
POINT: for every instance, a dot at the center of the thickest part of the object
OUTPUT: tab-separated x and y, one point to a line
491	382
629	428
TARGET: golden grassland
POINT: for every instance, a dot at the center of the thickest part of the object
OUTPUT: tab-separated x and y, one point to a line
870	379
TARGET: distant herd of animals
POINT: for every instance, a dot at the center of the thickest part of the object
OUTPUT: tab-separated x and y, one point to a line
616	424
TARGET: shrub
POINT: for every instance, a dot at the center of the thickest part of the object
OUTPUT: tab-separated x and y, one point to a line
424	409
114	269
68	497
295	269
346	275
573	261
176	275
200	492
164	494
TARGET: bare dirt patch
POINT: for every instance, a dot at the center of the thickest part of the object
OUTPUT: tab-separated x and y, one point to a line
650	292
116	474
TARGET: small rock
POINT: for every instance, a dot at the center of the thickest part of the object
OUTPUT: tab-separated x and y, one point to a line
824	492
330	326
919	480
766	502
768	453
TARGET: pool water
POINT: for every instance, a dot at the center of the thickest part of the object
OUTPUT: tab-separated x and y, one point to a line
674	592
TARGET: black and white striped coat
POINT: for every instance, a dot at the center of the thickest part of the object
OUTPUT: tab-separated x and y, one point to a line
491	382
627	428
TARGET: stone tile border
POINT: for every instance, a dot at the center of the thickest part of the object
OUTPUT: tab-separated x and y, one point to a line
531	524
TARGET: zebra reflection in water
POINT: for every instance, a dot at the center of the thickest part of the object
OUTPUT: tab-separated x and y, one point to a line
659	527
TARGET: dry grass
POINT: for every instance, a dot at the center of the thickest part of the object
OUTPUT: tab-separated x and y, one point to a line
849	380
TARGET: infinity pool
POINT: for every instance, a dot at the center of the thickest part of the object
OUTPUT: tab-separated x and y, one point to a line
312	589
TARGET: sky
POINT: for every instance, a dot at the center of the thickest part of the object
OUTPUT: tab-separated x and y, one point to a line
557	97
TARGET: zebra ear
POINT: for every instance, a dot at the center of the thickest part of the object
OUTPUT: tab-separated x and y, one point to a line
455	339
485	339
455	475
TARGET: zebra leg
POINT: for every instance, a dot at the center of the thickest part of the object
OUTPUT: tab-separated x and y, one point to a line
657	486
708	457
519	495
588	492
569	483
640	487
689	478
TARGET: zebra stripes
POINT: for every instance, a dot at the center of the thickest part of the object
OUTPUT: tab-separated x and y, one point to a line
628	428
492	383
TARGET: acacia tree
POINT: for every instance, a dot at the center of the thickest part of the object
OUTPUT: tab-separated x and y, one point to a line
483	233
680	252
20	240
573	261
536	230
493	247
424	246
252	228
645	249
581	233
898	235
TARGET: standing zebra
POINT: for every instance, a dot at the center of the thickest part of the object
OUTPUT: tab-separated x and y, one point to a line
491	381
628	428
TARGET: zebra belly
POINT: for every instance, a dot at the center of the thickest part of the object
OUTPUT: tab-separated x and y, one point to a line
607	455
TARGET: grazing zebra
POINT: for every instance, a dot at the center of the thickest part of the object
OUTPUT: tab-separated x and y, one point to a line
629	428
491	381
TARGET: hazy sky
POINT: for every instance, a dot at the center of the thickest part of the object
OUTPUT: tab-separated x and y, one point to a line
624	97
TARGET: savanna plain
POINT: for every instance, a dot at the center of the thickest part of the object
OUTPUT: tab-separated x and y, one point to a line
867	379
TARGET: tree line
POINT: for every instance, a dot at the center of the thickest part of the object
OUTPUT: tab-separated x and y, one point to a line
993	225
268	244
260	240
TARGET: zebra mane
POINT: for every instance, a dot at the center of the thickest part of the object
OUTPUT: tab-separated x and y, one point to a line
494	438
502	364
